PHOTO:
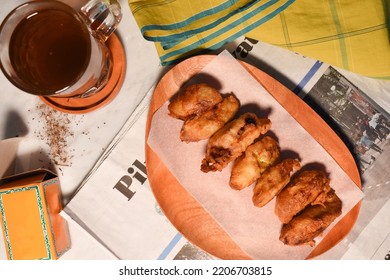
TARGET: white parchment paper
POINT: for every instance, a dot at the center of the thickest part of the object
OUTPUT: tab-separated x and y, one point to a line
255	230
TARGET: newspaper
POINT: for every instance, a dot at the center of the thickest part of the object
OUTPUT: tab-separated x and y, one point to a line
116	206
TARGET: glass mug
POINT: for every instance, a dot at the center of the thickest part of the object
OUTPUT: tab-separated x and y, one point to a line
48	48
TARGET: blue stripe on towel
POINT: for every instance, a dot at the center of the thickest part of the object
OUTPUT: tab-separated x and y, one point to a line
165	58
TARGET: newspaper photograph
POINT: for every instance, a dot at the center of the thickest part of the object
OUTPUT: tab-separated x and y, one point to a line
359	122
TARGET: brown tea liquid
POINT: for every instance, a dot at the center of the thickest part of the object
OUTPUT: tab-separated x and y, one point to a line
50	50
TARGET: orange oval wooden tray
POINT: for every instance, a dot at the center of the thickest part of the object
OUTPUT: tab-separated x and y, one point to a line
187	215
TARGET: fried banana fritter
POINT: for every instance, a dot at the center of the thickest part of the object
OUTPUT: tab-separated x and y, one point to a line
231	141
311	222
193	100
204	125
257	158
273	180
309	187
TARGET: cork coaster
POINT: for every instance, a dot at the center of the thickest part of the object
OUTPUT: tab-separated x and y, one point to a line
84	105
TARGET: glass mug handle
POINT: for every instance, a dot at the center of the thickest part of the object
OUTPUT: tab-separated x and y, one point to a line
102	17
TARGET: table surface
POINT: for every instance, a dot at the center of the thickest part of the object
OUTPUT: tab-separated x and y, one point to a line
22	116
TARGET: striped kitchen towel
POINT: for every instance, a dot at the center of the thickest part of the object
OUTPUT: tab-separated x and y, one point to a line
180	28
351	34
